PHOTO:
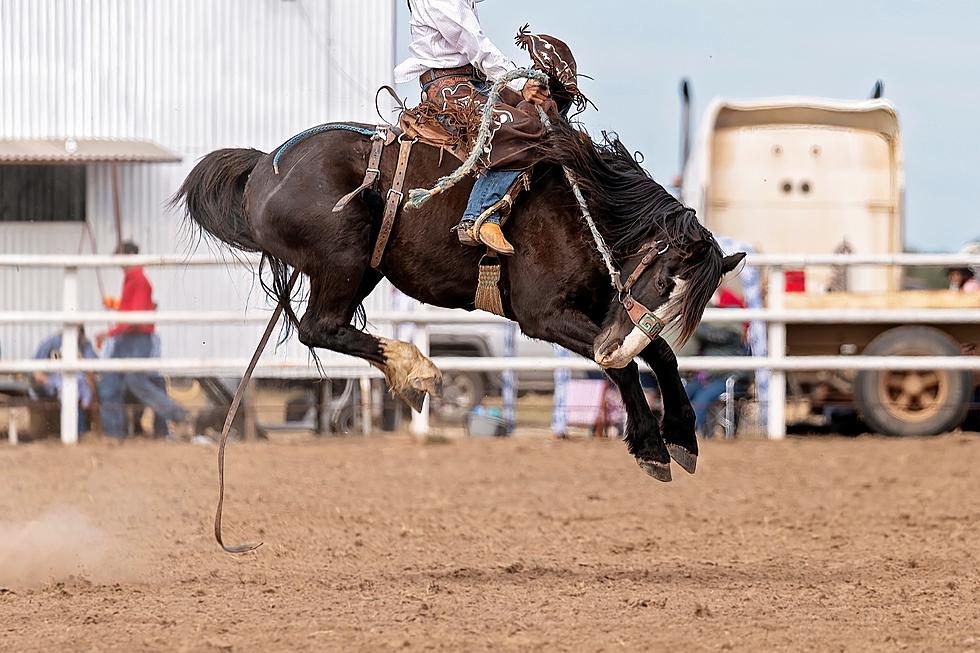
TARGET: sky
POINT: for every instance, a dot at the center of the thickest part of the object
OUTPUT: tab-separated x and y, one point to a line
927	53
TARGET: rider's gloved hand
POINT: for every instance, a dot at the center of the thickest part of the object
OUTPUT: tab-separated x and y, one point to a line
535	92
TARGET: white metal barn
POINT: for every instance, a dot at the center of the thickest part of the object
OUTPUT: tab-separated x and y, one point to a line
165	80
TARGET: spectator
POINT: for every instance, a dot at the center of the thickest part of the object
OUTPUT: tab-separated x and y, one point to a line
48	386
724	339
134	341
962	279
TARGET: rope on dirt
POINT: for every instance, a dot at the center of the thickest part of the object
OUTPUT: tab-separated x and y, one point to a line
230	417
420	196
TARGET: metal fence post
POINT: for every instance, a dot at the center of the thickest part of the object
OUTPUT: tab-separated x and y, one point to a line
420	420
508	378
366	406
69	354
776	407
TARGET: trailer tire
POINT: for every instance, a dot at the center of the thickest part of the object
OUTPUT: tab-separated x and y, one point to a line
914	402
461	392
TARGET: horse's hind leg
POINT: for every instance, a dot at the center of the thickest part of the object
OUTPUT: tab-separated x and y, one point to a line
678	424
327	325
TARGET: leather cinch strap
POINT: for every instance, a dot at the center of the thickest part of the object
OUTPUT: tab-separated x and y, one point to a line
378	142
394	200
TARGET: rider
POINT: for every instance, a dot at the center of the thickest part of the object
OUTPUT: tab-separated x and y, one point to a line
456	63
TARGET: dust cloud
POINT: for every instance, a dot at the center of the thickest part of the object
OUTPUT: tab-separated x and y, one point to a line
58	546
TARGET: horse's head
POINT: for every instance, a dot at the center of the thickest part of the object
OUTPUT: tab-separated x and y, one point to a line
663	287
669	264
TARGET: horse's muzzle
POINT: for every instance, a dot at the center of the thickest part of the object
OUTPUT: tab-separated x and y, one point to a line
622	355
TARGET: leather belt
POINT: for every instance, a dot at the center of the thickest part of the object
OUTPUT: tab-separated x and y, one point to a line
394	200
430	76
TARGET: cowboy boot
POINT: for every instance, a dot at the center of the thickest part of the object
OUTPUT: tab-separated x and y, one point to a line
492	236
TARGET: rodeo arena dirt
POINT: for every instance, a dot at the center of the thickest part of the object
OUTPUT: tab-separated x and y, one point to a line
461	375
519	544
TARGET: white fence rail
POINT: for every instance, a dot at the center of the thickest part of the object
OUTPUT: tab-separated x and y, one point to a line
776	315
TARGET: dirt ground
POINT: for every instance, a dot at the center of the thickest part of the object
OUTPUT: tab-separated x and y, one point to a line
523	544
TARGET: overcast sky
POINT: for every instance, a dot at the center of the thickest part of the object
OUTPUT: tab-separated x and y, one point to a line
927	53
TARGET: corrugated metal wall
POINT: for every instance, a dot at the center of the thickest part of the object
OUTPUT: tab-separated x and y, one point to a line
194	76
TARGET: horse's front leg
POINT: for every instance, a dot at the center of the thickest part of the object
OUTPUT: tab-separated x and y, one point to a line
678	423
575	332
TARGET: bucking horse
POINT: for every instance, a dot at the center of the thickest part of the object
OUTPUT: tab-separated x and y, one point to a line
605	257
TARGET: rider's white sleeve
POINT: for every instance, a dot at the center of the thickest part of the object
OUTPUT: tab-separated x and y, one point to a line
459	25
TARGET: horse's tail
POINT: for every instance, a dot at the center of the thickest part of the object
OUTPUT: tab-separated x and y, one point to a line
212	196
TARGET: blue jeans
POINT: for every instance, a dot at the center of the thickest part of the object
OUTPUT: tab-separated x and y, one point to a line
490	187
703	393
146	387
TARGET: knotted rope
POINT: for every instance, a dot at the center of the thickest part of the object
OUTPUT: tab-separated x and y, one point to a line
420	196
583	206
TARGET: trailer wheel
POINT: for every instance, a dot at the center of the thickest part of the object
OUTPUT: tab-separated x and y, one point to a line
922	402
461	392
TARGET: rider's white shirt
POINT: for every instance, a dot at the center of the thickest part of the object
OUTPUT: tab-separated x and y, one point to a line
447	34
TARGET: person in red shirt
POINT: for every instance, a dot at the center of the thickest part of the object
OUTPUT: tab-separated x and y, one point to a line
137	295
133	341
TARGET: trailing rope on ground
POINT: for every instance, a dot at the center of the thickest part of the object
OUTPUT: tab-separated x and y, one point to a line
233	411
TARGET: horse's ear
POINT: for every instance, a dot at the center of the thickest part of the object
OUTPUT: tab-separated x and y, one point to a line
731	261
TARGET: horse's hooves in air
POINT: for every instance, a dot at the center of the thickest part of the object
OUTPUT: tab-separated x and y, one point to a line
430	384
687	460
659	471
413	398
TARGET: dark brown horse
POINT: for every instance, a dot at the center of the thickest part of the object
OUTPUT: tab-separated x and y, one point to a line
555	286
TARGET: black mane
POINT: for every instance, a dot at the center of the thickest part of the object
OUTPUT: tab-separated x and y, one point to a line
630	208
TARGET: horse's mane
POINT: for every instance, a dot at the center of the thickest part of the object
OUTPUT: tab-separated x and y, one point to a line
631	209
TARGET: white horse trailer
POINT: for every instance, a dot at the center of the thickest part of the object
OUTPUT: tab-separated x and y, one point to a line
816	176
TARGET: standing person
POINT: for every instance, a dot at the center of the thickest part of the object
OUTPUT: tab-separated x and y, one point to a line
456	63
49	385
133	341
723	339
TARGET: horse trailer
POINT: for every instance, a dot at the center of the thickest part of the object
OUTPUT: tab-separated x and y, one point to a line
816	176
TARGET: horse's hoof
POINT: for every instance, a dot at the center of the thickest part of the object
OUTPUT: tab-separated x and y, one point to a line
687	460
414	398
431	385
658	470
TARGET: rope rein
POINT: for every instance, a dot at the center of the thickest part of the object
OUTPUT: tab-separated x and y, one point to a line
583	206
419	196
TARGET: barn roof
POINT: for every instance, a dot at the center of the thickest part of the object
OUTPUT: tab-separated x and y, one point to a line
80	151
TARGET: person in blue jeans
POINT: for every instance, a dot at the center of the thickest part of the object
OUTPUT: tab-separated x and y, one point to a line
722	339
146	387
134	341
